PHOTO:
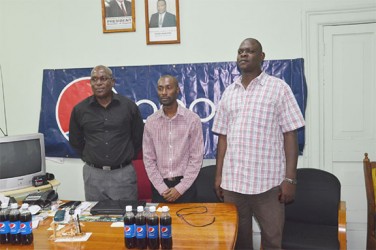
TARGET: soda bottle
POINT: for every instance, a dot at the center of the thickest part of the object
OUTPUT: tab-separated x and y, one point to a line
166	230
26	227
4	224
152	222
14	224
141	228
129	228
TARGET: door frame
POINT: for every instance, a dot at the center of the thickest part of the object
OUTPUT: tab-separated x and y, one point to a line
313	46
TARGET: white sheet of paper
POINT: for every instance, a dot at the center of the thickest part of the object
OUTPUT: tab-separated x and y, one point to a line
84	237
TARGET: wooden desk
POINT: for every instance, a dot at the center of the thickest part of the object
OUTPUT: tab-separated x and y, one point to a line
219	235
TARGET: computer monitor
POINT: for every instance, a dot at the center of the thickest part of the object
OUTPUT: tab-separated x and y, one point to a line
21	158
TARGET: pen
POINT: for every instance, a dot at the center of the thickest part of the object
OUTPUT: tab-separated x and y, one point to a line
78	222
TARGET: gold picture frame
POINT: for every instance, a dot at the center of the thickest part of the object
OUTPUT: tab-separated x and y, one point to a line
118	16
162	21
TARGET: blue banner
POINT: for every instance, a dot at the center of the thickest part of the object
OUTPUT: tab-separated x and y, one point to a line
201	85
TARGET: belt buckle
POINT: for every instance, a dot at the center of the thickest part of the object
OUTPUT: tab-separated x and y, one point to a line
107	168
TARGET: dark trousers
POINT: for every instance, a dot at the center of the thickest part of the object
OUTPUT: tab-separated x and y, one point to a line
188	196
269	213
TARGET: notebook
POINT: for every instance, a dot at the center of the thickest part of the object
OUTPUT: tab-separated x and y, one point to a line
115	207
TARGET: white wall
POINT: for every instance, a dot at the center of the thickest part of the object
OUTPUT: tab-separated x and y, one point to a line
48	34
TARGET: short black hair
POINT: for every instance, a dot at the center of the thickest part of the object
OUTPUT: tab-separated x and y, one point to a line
173	78
254	41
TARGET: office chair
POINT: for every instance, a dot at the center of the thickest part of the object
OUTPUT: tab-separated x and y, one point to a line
316	219
205	185
143	182
370	182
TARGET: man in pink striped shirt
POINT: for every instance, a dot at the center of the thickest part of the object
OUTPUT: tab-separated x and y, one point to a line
173	147
257	150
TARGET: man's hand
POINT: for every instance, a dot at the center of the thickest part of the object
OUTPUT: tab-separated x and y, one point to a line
171	195
287	194
217	187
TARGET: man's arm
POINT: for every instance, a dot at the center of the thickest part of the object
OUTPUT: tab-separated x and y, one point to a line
137	131
76	135
291	153
150	161
221	151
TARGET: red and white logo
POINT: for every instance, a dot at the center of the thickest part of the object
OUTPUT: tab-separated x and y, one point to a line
71	95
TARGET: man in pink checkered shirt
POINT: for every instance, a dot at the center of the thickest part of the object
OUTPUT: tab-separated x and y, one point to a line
257	150
173	147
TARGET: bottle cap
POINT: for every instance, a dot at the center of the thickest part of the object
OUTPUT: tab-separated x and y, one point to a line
165	209
14	205
128	208
152	209
140	209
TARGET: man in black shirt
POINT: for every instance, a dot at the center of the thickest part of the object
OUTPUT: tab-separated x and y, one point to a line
106	130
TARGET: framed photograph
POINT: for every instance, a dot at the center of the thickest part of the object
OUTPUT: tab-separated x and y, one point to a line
118	16
162	21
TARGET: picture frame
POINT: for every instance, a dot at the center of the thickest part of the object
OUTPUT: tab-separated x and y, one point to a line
118	17
162	21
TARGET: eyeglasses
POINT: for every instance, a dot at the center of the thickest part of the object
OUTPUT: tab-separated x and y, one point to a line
101	79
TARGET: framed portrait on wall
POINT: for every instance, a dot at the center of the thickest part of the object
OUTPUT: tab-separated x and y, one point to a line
162	21
118	16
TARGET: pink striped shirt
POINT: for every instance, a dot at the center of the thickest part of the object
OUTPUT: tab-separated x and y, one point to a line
254	120
173	147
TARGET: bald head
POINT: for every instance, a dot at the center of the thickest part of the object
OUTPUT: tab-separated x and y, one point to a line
254	41
107	70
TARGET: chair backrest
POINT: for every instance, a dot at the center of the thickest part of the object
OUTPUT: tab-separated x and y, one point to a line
370	183
205	185
317	198
143	182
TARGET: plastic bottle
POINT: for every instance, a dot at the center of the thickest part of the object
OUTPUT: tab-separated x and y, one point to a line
152	222
141	228
4	224
129	228
166	229
14	224
26	227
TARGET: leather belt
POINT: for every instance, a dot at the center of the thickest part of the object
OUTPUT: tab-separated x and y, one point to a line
177	178
108	168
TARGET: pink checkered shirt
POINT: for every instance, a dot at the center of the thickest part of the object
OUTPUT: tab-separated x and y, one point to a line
173	147
254	120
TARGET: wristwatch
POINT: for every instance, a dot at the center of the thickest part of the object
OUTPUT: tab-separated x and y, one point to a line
291	181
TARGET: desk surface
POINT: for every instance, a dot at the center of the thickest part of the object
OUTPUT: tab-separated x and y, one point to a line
219	235
20	194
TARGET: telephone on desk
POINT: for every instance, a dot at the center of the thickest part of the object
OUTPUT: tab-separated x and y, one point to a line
42	199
